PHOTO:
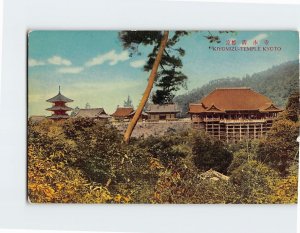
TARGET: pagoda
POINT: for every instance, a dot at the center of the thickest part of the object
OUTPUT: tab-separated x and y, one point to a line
59	107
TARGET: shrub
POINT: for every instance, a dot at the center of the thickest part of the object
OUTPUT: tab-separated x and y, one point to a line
50	181
210	153
254	181
285	191
280	148
179	184
168	148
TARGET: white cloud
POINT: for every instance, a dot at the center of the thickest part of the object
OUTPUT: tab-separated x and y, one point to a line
137	63
111	57
33	62
70	70
57	60
258	38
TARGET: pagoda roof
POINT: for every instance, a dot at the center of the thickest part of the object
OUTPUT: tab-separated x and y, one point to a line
59	98
123	111
58	116
233	99
92	113
162	108
55	108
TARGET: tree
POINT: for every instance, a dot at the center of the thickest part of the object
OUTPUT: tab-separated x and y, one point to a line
136	38
87	106
280	148
57	182
180	184
210	153
168	148
128	102
292	107
285	191
268	82
165	55
254	181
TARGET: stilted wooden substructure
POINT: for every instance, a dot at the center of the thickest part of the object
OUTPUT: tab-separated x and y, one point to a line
234	114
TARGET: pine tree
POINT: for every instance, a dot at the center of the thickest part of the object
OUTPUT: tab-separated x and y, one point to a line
164	62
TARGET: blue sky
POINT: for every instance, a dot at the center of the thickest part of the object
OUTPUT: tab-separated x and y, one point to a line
92	66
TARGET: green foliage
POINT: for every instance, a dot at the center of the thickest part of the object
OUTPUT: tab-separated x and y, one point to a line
168	148
280	148
84	161
242	152
169	78
128	102
254	180
239	158
291	111
98	148
180	184
285	191
51	179
210	153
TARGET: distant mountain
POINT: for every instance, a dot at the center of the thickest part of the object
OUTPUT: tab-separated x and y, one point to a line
277	83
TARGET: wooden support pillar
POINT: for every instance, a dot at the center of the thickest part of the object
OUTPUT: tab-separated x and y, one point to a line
226	133
248	131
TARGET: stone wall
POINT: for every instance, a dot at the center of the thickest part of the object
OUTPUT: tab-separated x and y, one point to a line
145	129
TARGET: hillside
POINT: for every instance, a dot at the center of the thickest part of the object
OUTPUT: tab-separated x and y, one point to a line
277	83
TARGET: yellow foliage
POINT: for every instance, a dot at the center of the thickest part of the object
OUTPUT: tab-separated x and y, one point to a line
155	164
49	181
285	191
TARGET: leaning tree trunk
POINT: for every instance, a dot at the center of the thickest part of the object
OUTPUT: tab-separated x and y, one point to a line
147	92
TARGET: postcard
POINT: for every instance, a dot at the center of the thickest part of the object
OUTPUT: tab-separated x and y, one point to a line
156	117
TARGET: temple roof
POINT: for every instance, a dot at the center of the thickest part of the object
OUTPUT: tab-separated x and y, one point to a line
233	99
58	116
164	108
143	113
122	111
55	108
92	113
59	98
37	118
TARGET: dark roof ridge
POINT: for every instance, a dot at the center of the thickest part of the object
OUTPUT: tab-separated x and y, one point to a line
232	88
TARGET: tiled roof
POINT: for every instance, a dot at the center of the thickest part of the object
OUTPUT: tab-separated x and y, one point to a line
164	108
59	98
37	118
92	113
64	108
143	113
122	112
232	99
58	116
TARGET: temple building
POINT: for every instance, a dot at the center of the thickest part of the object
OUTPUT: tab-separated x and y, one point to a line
164	112
143	117
234	114
122	113
37	119
92	113
59	107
